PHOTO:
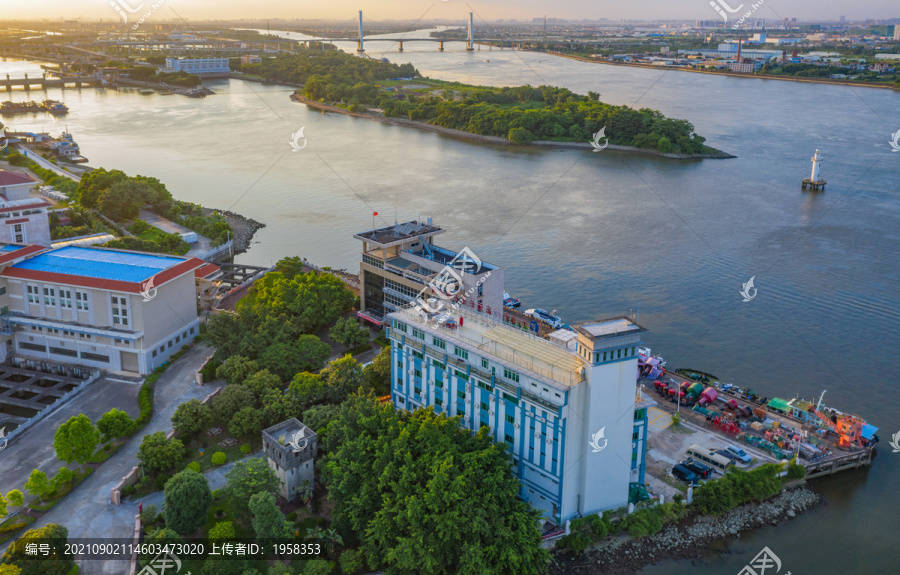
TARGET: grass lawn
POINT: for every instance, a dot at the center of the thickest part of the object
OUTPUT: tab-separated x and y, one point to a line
211	446
104	452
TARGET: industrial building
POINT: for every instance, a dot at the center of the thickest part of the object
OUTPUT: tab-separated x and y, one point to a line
197	66
402	265
97	307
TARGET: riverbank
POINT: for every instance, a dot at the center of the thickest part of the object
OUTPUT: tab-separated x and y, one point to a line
725	73
496	140
626	556
244	227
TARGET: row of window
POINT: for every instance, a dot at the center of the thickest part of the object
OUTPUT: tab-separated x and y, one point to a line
65	332
35	293
607	355
171	342
64	352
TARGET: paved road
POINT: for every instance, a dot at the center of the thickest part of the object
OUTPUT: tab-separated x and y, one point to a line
87	511
32	155
201	246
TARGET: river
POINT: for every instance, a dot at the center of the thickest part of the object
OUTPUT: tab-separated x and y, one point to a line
597	234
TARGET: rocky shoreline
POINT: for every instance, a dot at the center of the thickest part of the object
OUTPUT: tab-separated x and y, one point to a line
244	228
625	556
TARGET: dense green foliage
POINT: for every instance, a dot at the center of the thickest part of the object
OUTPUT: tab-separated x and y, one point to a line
274	323
53	564
268	520
187	500
349	333
37	484
423	495
645	521
157	453
51	178
212	226
737	487
163	244
119	196
115	424
151	74
338	68
192	416
246	479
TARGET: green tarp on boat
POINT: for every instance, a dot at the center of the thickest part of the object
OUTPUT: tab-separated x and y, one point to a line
779	404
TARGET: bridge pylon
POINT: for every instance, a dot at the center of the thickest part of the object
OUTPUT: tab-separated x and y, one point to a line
470	41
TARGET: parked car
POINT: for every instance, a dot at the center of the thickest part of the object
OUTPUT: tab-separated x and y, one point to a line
702	470
739	453
728	455
684	474
545	316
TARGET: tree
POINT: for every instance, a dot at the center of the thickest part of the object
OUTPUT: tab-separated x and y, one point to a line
115	424
158	453
15	498
349	333
236	369
95	182
332	539
10	570
232	399
284	359
520	136
192	416
425	495
124	199
63	477
262	382
248	478
247	421
187	499
378	373
280	568
222	530
4	510
55	563
38	484
268	520
76	439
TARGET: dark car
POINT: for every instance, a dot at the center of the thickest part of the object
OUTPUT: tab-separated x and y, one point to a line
725	453
702	470
683	473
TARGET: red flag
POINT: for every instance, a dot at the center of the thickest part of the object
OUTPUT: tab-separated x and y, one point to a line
375	213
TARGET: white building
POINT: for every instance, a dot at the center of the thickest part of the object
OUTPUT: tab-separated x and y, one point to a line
23	219
567	407
197	66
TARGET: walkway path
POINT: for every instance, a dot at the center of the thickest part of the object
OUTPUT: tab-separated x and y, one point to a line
32	155
87	511
201	246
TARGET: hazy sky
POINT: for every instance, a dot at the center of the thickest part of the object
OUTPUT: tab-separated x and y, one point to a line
413	9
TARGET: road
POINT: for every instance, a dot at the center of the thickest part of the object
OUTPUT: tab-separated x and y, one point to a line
87	512
32	155
201	246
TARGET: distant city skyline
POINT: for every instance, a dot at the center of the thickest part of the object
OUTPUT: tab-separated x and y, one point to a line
522	10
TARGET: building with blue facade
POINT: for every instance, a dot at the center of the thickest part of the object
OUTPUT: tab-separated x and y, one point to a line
568	406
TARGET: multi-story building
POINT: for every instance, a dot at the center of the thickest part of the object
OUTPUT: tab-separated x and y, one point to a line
401	264
568	407
23	219
98	307
291	449
198	66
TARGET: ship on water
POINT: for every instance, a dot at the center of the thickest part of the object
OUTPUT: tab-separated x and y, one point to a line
53	106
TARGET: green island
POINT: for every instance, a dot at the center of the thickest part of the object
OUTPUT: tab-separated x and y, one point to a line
521	115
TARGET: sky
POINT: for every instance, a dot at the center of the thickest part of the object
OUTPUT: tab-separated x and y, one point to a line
448	9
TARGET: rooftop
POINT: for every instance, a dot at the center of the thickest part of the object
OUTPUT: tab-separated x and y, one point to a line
100	264
519	349
13	178
399	233
610	328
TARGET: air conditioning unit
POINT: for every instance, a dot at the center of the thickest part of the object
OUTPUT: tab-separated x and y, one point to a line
491	411
517	425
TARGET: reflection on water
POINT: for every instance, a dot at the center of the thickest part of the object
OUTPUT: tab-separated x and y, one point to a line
594	234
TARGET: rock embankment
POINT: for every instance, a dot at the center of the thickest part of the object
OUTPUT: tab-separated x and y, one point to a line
243	227
625	556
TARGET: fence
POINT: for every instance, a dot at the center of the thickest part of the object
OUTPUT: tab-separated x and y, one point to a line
217	251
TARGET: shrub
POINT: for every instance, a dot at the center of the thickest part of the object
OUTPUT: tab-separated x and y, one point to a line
149	514
292	516
145	403
318	567
218	458
194	466
351	561
63	477
796	471
222	530
161	481
127	491
217	494
245	449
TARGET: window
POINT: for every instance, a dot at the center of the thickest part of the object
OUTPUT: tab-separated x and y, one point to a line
399	382
438	402
634	436
484	406
184	335
177	338
401	400
84	335
484	362
154	353
439	343
439	384
459	352
65	298
63	351
95	357
192	331
400	363
639	414
162	349
32	346
400	326
2	290
418	373
632	352
418	354
461	394
509	439
170	343
510	375
418	333
462	375
619	354
19	233
510	419
81	300
49	296
633	457
511	398
4	310
32	294
604	356
120	312
418	390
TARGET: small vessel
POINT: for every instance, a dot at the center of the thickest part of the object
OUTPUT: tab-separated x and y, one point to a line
509	301
146	91
55	107
9	107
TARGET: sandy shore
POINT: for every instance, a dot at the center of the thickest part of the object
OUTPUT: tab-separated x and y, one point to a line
495	139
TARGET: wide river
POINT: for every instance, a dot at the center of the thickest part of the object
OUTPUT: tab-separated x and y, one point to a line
597	234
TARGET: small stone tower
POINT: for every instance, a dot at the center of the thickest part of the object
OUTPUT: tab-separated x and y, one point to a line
291	448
